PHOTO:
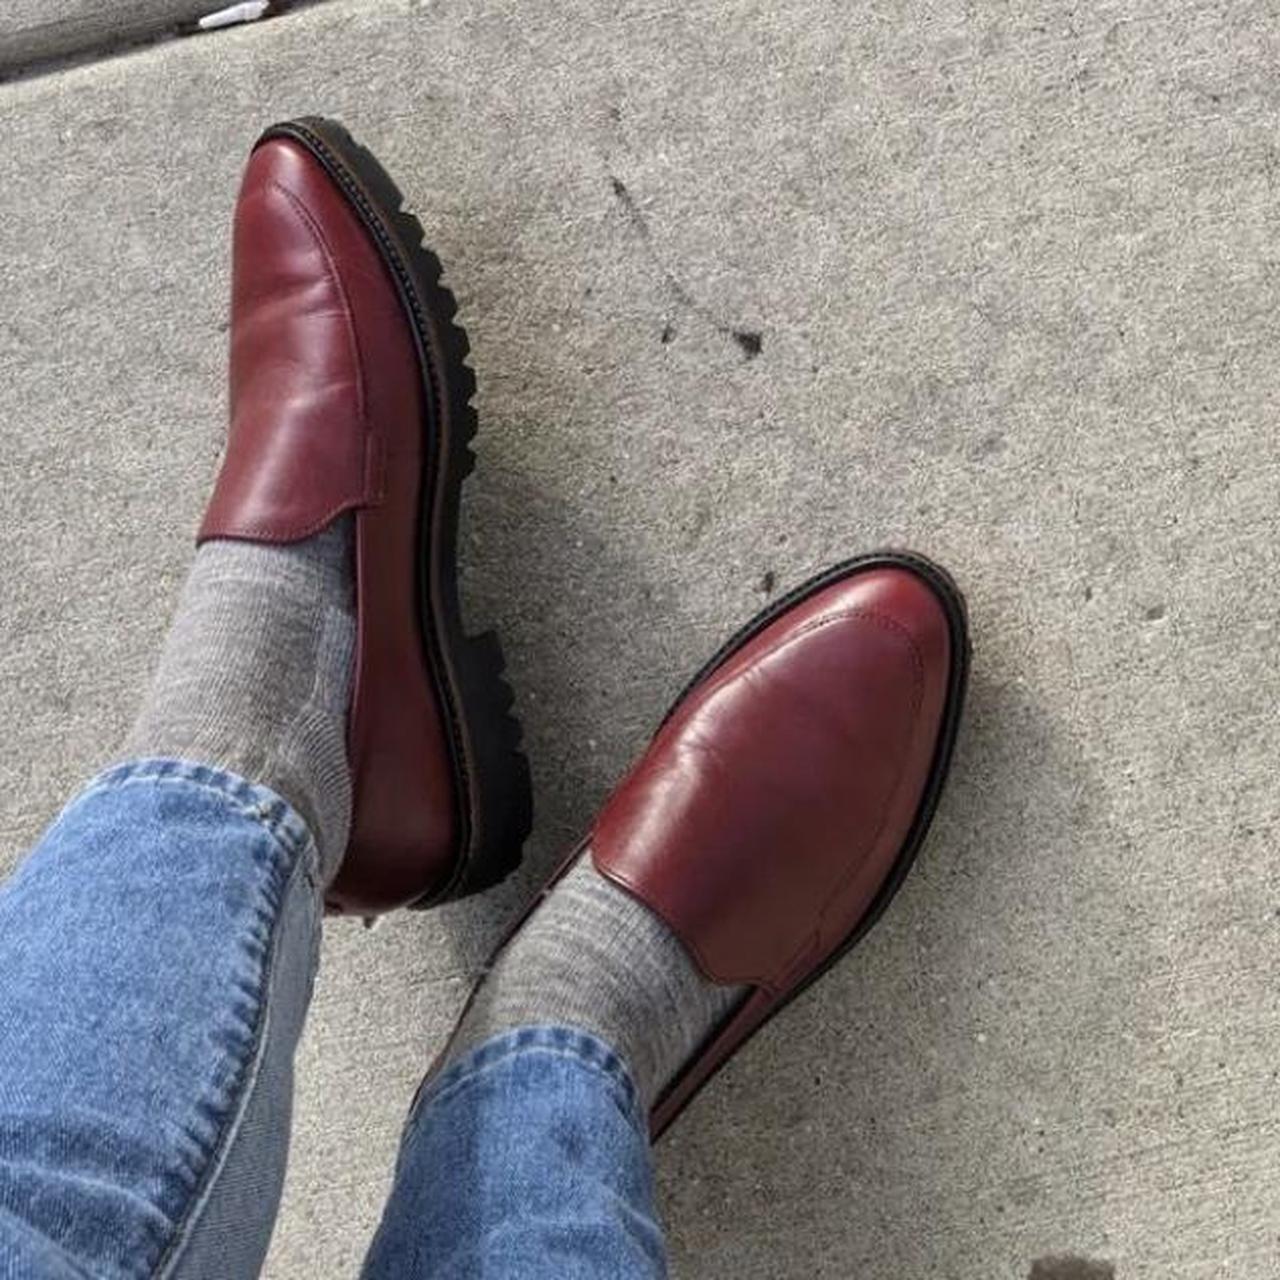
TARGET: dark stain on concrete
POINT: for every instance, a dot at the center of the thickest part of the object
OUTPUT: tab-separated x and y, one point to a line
750	341
620	190
989	446
1070	1267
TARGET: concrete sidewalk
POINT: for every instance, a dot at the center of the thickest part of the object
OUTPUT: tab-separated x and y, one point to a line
752	288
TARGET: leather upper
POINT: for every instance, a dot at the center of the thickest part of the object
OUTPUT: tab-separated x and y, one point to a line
771	807
327	413
301	447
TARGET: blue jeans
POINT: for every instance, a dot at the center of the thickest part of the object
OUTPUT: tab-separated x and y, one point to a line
157	954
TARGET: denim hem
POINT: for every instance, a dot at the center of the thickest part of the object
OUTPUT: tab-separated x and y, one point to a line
571	1044
267	808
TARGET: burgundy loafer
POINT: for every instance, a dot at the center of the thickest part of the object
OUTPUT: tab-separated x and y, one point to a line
349	394
783	799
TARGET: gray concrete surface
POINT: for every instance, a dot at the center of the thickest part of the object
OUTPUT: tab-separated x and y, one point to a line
34	31
1015	276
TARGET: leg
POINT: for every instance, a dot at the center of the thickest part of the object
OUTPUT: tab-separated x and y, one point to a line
158	947
157	951
528	1157
772	818
319	728
529	1154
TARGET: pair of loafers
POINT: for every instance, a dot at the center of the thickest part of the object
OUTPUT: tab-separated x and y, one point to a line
782	800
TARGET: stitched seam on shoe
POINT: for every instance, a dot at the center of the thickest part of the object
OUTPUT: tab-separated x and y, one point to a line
917	693
637	890
348	314
290	533
828	619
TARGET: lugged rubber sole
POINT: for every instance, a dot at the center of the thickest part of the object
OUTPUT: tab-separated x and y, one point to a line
491	773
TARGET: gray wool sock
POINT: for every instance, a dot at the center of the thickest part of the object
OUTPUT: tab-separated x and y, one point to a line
594	957
256	672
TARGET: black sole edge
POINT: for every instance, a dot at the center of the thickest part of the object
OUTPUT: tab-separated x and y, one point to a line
952	599
491	771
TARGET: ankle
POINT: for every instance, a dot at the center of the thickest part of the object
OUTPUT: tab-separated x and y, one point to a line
255	676
594	958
